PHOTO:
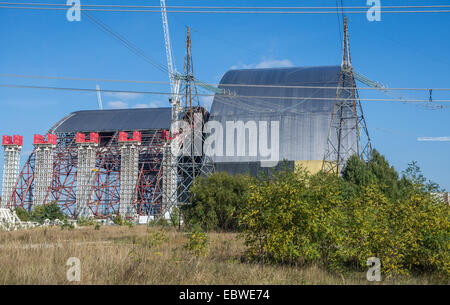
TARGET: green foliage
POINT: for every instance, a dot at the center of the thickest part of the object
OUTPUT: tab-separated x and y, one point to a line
197	243
377	171
120	221
155	239
407	234
22	214
295	217
216	201
292	218
86	221
161	222
175	217
97	226
49	211
67	225
414	180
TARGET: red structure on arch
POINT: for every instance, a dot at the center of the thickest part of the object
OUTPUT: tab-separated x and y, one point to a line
104	183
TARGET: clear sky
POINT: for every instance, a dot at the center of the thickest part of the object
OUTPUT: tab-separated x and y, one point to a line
402	50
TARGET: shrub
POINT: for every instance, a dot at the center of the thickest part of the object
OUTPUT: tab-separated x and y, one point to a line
22	214
120	221
216	201
162	222
49	211
86	221
197	243
156	239
175	217
294	217
409	234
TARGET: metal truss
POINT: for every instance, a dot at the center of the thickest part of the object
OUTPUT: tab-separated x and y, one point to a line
98	180
185	159
348	134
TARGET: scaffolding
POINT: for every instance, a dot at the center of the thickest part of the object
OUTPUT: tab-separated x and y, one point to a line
43	172
87	153
129	169
12	147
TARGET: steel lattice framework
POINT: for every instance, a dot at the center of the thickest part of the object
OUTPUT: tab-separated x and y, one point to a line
100	179
185	158
348	134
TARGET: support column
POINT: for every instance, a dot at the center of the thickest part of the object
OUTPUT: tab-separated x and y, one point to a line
12	147
43	171
169	164
129	168
87	153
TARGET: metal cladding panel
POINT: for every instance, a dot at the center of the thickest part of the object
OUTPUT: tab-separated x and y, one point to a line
113	120
251	168
304	123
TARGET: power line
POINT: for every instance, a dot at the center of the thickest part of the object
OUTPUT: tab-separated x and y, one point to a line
83	79
225	96
221	85
342	7
128	44
223	12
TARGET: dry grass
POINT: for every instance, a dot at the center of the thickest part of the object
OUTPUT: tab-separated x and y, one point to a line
120	255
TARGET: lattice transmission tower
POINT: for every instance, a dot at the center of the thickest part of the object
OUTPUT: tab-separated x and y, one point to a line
348	134
187	138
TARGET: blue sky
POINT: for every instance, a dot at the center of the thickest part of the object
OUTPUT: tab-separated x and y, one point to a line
403	50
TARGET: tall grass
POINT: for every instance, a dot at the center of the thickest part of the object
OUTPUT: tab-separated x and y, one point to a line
122	255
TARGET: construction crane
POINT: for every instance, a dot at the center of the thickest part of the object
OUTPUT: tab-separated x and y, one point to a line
174	76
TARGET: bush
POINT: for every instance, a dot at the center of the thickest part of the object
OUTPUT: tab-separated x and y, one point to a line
175	217
295	217
216	201
49	211
155	239
86	221
22	214
409	234
120	221
198	242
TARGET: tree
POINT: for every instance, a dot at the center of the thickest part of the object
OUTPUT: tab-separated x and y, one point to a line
376	171
216	201
412	178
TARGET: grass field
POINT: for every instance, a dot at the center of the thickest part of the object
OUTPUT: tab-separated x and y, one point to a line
121	255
